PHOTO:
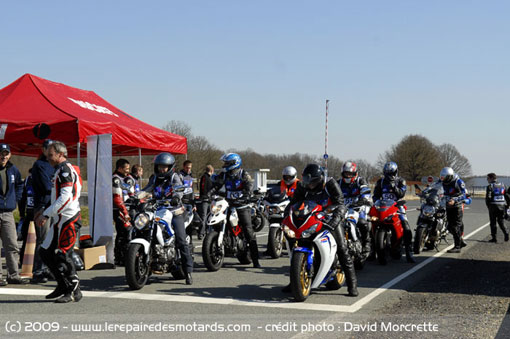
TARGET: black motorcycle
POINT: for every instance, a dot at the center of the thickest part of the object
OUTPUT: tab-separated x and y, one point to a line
431	227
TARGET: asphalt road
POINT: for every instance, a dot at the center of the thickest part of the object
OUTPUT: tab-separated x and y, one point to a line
236	301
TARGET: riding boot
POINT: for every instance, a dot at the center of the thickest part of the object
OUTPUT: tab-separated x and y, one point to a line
408	238
254	251
365	240
352	282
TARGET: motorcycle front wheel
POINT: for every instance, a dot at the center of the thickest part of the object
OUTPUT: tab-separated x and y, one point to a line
212	254
275	243
420	238
300	277
382	245
137	271
258	221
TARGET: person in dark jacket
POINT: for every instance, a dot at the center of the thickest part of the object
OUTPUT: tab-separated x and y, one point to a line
11	187
206	185
188	198
121	191
42	173
316	187
137	173
495	199
26	210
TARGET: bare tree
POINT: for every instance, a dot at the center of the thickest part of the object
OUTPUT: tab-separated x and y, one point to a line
451	157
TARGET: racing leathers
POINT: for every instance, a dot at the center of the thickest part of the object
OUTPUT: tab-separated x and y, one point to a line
394	188
330	195
57	248
188	198
455	191
357	193
161	188
238	190
496	203
122	189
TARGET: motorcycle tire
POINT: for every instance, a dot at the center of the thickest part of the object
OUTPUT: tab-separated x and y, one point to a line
243	252
300	277
420	238
275	243
259	221
381	246
178	273
212	254
338	279
136	269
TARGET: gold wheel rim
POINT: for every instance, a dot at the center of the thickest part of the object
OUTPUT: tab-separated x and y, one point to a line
305	279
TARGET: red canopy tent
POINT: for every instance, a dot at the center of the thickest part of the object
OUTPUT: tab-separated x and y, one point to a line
33	109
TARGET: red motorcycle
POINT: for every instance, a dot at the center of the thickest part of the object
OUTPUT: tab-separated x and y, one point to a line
387	229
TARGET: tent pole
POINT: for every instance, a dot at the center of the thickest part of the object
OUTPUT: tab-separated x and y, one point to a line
140	156
78	154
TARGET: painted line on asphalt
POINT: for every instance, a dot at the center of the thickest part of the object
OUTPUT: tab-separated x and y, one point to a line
368	298
188	299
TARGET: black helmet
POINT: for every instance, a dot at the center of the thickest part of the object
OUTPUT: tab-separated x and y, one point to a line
313	177
164	159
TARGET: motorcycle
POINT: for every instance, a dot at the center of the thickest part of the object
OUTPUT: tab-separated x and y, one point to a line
275	203
224	236
431	227
314	259
258	217
152	249
387	228
355	206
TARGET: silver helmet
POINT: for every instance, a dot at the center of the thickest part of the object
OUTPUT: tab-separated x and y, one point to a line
289	175
447	174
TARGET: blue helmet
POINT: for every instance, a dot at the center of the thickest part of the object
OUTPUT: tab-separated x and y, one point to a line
231	161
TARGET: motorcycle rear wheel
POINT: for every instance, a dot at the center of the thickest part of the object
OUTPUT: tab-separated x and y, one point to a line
137	271
420	238
275	244
300	277
243	252
338	280
258	221
212	254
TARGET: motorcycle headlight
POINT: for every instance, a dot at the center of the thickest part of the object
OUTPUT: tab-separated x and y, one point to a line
290	233
307	233
428	211
141	221
215	209
274	210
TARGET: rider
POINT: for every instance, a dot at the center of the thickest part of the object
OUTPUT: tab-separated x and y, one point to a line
393	187
326	192
495	201
238	189
121	192
455	194
356	187
160	184
287	185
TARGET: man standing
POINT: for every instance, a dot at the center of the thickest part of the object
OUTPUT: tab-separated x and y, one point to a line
42	173
188	198
495	201
11	187
121	192
206	185
57	248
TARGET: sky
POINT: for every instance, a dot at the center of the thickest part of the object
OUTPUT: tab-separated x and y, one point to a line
257	74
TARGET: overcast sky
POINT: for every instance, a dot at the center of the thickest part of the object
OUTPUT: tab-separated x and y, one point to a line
256	74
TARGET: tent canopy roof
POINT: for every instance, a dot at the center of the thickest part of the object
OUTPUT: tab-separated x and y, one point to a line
33	109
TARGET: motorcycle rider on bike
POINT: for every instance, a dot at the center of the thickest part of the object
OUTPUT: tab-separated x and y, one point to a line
287	185
160	185
455	194
326	192
238	189
354	186
393	187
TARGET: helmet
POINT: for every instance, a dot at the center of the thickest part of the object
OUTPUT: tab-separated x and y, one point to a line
231	161
349	172
390	170
313	177
289	175
447	174
164	159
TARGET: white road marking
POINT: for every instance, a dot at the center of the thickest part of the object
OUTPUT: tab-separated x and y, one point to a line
247	302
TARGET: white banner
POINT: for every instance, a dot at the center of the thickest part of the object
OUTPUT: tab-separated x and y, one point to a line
99	176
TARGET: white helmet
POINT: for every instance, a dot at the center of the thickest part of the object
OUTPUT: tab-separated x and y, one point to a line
289	175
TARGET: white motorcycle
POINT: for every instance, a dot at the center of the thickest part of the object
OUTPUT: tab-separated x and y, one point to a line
275	203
